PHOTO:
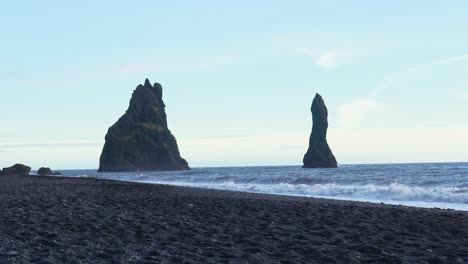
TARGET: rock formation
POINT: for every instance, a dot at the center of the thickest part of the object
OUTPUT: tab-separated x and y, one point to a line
44	171
16	170
140	140
319	154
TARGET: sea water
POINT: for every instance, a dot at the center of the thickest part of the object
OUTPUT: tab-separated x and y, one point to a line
441	185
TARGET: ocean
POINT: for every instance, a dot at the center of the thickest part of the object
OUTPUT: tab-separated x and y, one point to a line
441	185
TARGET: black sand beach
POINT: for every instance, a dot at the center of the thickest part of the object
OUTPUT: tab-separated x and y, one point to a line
68	220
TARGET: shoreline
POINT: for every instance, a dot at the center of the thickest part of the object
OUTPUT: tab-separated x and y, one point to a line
400	186
411	204
81	220
330	199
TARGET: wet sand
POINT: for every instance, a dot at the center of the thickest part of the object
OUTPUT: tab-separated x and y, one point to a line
69	220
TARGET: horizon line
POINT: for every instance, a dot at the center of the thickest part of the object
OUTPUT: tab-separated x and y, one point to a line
294	165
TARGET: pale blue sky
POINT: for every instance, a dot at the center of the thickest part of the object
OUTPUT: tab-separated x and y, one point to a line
238	78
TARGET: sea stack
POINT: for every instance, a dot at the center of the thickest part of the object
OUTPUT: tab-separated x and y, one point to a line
140	140
319	154
16	170
44	171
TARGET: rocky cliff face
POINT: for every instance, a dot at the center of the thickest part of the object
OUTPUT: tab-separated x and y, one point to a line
140	140
319	154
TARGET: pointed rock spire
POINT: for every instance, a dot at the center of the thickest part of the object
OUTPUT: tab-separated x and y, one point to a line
140	140
147	83
319	154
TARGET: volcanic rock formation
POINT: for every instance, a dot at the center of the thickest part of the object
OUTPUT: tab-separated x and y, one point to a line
319	154
16	170
44	171
140	140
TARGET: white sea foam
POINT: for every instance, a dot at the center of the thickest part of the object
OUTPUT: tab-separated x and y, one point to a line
443	185
394	193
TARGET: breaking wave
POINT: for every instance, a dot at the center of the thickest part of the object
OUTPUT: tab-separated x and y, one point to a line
423	185
393	193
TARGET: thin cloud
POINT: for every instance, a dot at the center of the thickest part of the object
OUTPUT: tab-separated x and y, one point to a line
351	114
434	63
327	60
449	60
405	74
459	94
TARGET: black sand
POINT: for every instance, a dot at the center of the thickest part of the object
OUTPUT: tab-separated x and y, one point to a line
66	220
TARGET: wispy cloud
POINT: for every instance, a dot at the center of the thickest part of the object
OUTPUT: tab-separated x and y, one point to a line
326	60
351	114
412	72
459	94
448	60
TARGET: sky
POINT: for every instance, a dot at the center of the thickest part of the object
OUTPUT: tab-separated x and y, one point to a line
238	78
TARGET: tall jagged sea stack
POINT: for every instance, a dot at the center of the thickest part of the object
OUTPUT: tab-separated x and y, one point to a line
319	154
140	140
